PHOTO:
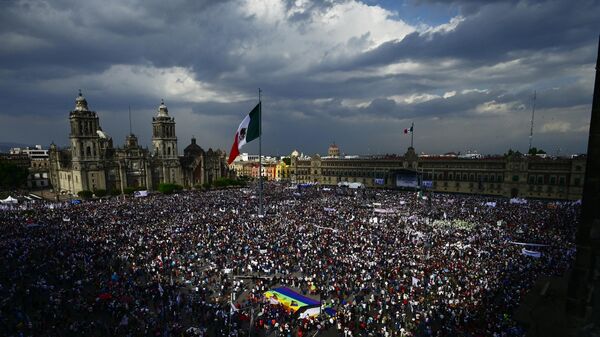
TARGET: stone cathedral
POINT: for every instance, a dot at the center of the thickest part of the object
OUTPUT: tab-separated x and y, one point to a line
91	162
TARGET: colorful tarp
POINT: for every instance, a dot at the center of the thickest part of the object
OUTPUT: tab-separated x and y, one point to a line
293	300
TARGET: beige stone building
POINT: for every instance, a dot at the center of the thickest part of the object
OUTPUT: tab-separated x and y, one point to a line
91	162
507	176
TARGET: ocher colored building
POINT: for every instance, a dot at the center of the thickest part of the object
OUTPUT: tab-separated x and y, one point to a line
508	176
282	171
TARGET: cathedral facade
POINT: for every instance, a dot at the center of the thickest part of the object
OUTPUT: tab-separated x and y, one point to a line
92	163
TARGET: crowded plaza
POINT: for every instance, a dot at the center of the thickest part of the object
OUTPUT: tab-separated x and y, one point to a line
204	263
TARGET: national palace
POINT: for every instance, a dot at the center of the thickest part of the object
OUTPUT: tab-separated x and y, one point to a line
513	175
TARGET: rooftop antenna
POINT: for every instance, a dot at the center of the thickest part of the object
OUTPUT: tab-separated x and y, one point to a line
130	132
532	116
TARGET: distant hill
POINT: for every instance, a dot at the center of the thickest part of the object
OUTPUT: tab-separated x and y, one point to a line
5	147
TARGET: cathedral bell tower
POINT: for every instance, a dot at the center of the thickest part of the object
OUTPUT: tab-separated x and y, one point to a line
85	141
164	140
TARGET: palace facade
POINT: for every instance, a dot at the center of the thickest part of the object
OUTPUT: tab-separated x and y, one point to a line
507	176
93	163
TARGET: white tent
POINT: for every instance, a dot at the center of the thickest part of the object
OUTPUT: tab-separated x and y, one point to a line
9	200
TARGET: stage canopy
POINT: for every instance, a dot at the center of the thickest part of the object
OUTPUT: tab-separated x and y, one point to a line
9	200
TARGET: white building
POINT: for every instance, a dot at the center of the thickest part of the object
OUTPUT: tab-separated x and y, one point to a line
39	167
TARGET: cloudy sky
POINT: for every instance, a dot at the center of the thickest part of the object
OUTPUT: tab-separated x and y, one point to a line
354	72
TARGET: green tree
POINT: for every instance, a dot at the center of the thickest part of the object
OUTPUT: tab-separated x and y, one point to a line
12	176
226	182
129	190
534	150
85	194
512	152
169	188
100	193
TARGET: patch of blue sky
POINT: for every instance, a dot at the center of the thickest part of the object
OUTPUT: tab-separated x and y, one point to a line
414	13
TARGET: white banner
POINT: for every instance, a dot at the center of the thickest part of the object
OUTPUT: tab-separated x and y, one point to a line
528	244
384	210
531	253
140	194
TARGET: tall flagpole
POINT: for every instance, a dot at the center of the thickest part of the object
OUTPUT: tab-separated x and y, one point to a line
412	132
532	116
260	181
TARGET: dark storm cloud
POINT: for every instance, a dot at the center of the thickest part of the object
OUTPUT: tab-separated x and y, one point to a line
457	105
498	31
315	90
91	36
468	7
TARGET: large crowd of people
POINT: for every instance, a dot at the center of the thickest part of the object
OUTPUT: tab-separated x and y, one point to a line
390	263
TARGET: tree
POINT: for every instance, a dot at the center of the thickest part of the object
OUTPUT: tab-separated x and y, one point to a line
534	151
512	152
100	193
129	190
169	188
226	182
85	194
12	176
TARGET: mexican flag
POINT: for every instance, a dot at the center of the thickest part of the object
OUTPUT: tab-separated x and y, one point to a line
248	131
409	130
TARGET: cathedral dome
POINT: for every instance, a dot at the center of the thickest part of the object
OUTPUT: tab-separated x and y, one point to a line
193	149
162	109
